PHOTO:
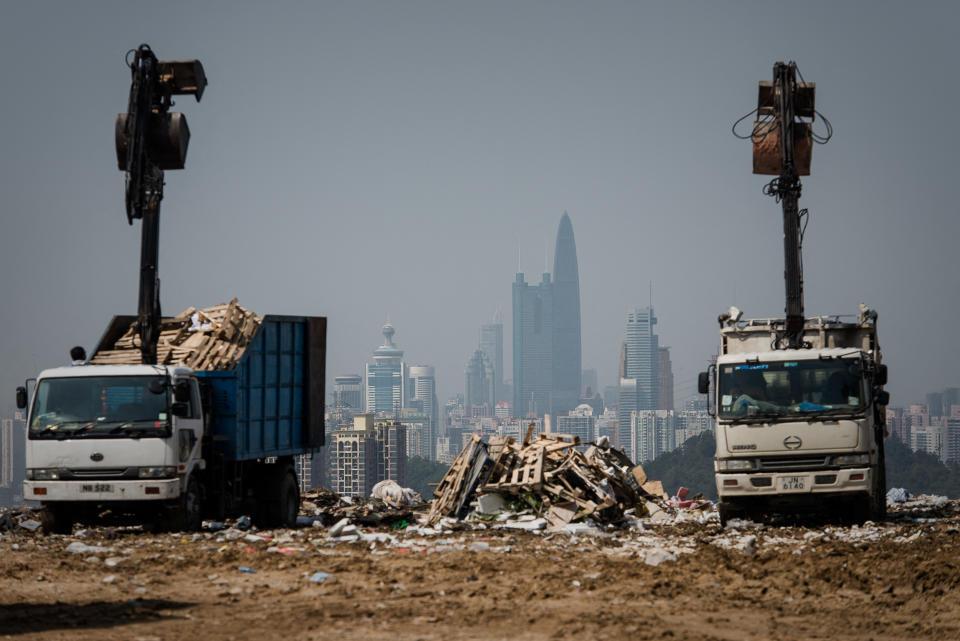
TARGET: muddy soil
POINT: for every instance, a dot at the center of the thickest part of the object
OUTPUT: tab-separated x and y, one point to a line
683	580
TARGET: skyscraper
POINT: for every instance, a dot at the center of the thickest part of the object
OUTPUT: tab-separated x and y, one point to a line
639	365
386	377
566	321
479	384
664	379
546	334
422	384
491	342
532	346
347	398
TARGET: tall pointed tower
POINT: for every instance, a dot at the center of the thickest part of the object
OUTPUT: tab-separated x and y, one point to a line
566	321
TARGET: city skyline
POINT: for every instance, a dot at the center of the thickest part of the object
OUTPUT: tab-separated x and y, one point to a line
420	148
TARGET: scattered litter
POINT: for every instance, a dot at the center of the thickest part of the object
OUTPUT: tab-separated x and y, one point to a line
246	570
79	547
390	492
657	556
243	523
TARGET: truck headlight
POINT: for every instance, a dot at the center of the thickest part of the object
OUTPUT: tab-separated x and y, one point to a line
852	459
163	472
43	474
733	465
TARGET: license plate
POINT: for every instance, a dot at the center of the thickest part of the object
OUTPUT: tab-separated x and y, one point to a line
792	483
96	487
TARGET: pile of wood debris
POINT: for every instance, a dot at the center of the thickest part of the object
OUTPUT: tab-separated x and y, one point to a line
201	339
548	473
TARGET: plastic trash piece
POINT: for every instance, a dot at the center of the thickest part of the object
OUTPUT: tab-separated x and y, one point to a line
319	577
243	523
894	495
30	524
337	527
246	570
657	556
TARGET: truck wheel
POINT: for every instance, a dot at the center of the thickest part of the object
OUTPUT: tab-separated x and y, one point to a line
187	515
279	500
58	519
289	500
727	512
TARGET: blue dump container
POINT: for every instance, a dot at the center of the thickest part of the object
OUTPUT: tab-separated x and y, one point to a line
271	403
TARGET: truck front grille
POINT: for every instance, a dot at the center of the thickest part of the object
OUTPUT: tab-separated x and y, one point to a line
792	463
99	473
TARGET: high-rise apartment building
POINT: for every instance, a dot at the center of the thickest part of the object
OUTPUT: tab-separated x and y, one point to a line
579	422
353	458
566	321
652	432
386	378
491	343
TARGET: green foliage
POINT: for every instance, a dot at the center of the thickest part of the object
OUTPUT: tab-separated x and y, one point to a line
919	472
690	465
421	472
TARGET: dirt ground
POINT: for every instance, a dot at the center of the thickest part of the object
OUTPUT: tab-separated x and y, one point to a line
896	580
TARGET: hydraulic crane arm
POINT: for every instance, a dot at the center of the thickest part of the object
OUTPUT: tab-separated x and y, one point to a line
150	139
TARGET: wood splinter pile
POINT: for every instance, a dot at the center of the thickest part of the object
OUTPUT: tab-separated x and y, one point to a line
569	484
205	339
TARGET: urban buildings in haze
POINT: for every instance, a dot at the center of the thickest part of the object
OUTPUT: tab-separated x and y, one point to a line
365	453
546	334
479	396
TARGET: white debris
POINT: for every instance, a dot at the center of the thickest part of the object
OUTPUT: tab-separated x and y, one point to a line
657	556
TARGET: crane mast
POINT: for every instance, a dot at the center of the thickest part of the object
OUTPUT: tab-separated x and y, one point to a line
149	139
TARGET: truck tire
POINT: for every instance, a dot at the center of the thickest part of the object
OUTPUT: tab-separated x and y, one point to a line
727	512
186	515
59	519
278	502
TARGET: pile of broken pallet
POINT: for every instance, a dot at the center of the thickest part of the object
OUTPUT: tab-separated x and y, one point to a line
549	473
201	339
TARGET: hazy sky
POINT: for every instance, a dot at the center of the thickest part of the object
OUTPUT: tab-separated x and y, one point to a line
370	160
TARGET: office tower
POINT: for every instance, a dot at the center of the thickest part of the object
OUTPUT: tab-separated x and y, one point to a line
566	321
422	388
664	379
479	384
610	394
639	361
386	377
347	398
935	403
532	346
491	343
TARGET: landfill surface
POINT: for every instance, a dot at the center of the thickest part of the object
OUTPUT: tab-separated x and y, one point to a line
673	573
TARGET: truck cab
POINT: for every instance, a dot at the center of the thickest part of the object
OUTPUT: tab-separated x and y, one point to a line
116	436
799	430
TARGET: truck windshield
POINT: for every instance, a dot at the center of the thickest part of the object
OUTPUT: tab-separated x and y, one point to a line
787	390
99	407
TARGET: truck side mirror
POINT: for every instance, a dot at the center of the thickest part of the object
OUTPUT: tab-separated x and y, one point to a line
703	382
881	377
882	397
21	397
181	392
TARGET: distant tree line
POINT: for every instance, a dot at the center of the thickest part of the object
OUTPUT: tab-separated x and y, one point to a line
421	472
691	465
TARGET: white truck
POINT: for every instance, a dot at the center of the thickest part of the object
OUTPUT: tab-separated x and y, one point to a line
172	445
799	430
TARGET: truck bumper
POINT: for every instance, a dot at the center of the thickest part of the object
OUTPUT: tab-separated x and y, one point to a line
786	484
99	491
